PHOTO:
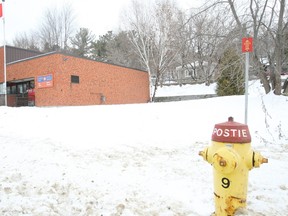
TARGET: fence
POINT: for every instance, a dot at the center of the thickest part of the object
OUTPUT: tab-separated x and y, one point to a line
183	97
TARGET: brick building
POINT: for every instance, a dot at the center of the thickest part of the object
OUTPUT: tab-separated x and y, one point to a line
58	79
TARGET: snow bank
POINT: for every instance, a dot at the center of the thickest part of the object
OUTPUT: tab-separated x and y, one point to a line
139	159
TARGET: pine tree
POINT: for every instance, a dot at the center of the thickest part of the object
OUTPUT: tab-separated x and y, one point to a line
99	47
231	79
82	42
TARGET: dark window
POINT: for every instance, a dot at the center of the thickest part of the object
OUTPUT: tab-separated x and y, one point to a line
74	79
13	89
19	88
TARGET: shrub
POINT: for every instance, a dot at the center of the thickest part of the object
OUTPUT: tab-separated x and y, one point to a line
231	79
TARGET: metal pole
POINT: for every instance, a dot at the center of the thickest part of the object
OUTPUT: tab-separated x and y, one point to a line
4	53
246	85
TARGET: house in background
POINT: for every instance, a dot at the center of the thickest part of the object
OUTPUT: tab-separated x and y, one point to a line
58	79
195	72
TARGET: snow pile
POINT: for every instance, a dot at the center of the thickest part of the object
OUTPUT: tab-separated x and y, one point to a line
139	159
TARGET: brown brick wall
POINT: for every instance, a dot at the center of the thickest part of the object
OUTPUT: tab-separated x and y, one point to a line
119	85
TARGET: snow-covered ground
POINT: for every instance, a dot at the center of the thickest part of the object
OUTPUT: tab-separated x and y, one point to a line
136	160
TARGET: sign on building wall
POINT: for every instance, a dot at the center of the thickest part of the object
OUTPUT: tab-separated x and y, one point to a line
45	81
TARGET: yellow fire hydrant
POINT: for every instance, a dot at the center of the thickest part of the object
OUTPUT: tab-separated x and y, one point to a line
231	156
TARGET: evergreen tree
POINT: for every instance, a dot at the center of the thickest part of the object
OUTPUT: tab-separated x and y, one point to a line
82	42
99	47
120	51
231	79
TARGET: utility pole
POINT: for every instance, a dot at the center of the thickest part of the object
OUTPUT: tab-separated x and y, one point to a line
4	54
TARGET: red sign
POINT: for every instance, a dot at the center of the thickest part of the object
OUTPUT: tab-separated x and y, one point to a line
231	132
247	44
1	10
45	81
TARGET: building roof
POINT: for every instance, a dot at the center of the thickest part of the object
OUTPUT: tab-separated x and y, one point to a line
15	53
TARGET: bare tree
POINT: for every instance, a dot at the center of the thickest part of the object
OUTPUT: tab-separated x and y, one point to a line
140	34
56	28
153	33
26	41
68	19
265	16
279	44
210	35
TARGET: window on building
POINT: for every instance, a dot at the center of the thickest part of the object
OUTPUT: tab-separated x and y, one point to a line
13	89
19	88
75	79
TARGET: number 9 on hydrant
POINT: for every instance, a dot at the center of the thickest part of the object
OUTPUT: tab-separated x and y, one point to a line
231	156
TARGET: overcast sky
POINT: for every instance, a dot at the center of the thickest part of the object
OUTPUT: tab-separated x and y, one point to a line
99	16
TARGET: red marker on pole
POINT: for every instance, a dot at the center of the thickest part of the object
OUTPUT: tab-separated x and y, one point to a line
247	46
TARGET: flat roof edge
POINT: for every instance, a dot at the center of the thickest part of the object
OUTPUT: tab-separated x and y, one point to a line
32	57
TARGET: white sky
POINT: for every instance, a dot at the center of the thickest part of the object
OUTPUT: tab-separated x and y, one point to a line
99	16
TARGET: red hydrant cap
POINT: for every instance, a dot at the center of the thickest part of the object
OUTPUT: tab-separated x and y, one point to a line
231	132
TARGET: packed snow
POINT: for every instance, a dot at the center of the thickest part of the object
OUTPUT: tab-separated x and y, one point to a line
136	160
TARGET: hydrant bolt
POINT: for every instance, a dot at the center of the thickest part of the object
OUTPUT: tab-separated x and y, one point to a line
222	163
